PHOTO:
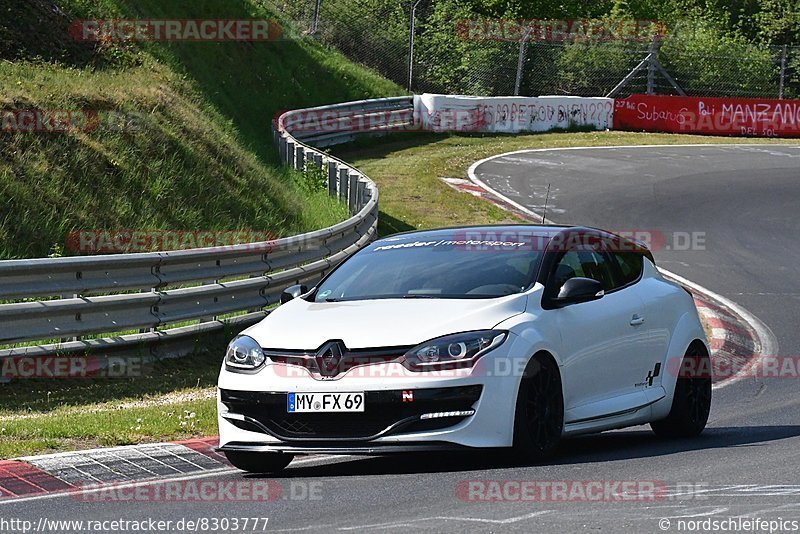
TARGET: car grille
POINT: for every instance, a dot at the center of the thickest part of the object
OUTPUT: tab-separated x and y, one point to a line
382	410
316	365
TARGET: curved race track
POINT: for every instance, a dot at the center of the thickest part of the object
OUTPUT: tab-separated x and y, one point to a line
745	201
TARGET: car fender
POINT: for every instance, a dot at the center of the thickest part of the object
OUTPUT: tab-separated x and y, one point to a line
687	329
531	335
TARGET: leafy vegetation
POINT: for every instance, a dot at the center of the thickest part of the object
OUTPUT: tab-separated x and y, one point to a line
182	137
711	48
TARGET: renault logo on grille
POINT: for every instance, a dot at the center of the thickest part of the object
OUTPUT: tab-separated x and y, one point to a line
329	357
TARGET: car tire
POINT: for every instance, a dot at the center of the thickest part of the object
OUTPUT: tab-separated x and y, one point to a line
259	462
691	403
539	414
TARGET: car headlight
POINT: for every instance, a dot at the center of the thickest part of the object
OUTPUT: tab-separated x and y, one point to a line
244	353
453	351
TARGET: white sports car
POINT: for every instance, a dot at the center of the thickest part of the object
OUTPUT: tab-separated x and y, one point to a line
479	337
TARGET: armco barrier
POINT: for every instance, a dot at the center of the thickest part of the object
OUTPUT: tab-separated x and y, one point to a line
64	300
713	116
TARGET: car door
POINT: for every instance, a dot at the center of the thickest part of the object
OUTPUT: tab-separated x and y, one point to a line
629	266
601	340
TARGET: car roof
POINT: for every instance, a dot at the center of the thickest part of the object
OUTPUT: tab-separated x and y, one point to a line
510	231
543	230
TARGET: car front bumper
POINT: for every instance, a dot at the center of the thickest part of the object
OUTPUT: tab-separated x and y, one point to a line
253	417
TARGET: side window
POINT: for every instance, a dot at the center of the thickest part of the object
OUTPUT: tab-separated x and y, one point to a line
586	264
630	267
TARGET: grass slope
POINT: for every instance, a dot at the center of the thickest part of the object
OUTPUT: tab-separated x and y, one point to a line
184	141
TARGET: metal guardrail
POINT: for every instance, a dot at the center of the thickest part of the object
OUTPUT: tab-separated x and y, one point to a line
75	297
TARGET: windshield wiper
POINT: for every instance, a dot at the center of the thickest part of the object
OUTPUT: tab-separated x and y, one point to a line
419	296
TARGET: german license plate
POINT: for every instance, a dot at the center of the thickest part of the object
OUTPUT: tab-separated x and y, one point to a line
325	402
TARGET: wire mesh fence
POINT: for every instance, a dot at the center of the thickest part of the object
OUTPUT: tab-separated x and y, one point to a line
373	33
457	55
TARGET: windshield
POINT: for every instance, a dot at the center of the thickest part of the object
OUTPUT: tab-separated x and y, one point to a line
415	267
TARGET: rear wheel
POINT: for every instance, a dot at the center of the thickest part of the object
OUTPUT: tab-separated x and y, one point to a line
539	417
691	403
259	462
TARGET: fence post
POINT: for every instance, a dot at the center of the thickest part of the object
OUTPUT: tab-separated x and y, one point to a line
331	178
411	26
289	153
352	191
521	61
783	73
343	173
318	160
301	157
651	67
315	22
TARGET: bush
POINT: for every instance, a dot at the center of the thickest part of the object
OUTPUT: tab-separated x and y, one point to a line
593	69
708	62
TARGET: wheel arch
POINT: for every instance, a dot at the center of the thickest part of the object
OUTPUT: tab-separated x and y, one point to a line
700	345
540	353
537	432
688	333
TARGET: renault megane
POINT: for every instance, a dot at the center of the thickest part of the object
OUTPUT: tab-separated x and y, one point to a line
467	338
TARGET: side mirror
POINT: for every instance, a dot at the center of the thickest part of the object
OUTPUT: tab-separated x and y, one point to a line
577	290
292	292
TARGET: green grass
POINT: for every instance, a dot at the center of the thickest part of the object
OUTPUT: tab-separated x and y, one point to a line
194	147
106	426
408	168
171	400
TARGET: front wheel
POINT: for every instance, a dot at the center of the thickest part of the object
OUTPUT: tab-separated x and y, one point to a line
691	403
259	462
539	416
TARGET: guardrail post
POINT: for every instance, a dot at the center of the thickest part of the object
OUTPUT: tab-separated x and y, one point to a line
362	188
352	192
282	148
77	318
301	158
289	153
331	178
343	172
